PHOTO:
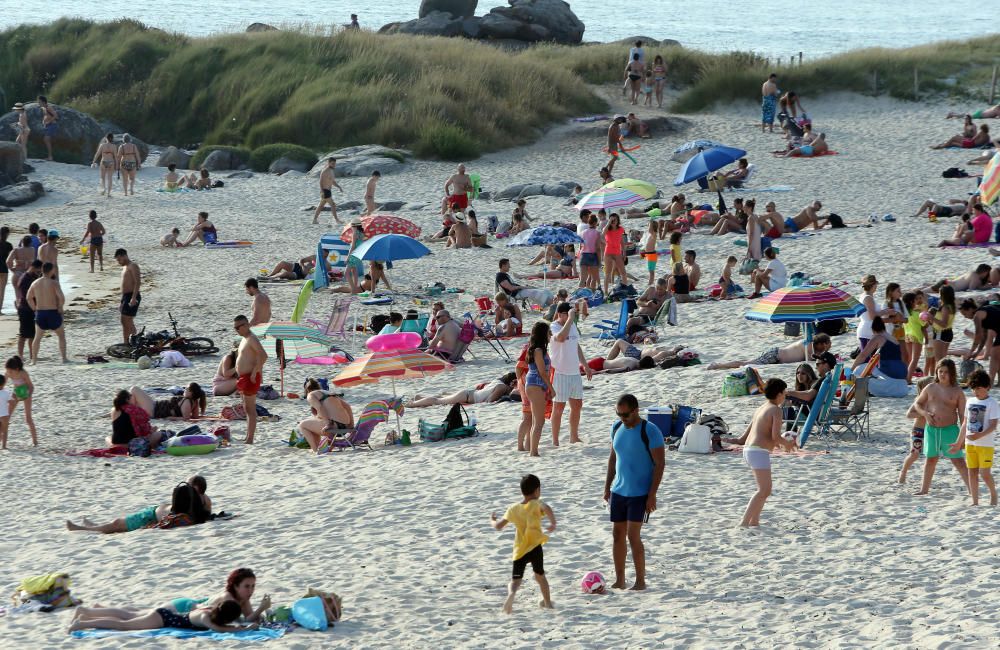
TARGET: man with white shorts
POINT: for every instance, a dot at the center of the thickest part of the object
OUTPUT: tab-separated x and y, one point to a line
567	358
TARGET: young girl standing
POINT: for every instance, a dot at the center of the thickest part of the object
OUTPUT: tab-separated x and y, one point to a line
942	322
913	330
20	385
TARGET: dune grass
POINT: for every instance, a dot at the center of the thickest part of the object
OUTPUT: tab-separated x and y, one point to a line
442	98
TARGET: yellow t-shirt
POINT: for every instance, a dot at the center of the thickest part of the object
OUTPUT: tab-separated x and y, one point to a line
675	254
527	519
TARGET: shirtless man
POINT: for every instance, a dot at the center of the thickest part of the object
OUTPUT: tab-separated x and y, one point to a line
330	415
974	280
692	268
445	340
23	130
131	296
771	217
370	206
816	148
45	297
808	215
456	190
792	353
460	236
250	358
614	141
953	208
942	405
50	124
95	231
327	182
648	304
48	252
260	308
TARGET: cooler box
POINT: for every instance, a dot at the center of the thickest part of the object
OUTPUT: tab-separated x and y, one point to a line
662	417
680	420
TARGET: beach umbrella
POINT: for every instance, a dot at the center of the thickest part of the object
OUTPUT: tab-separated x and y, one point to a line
684	152
806	304
389	248
382	224
644	189
286	340
608	198
705	162
545	236
989	186
392	364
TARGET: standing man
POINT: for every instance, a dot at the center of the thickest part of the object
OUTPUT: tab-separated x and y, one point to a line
370	206
131	296
48	252
615	140
567	357
250	358
456	191
46	298
50	124
635	468
769	102
260	308
25	314
327	181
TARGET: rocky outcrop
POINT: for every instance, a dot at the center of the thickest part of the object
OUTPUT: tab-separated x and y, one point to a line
174	156
648	42
261	27
284	165
11	162
524	21
21	193
75	140
457	8
524	190
363	160
223	160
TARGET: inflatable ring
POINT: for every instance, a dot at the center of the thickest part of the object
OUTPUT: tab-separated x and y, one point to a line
194	445
394	341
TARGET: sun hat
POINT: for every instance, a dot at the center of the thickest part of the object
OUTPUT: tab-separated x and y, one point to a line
18	106
460	217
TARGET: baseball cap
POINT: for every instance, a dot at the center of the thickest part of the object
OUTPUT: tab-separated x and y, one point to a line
827	358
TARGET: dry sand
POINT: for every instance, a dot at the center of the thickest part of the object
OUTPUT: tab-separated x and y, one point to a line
845	556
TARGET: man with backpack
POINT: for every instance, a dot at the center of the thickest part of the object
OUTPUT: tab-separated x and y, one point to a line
635	468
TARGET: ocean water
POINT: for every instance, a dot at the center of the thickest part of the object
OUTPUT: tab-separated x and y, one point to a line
773	29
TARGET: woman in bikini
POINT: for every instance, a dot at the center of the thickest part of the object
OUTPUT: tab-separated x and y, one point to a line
659	79
129	162
634	71
224	381
19	261
143	518
106	156
330	415
23	130
188	406
486	394
22	389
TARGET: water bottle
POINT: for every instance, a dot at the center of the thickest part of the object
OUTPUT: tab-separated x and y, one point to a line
473	419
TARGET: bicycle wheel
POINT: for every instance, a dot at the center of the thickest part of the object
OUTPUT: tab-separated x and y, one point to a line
121	351
198	346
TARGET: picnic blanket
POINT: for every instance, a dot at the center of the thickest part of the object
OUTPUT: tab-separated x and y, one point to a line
262	634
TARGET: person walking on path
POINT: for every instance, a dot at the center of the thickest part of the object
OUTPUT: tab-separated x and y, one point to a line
635	468
567	357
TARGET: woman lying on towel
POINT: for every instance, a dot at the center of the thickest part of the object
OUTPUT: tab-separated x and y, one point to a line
992	111
198	511
482	394
817	148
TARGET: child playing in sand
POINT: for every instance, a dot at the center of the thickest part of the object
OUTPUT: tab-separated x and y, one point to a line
170	239
763	434
729	288
22	388
5	399
978	427
942	404
527	519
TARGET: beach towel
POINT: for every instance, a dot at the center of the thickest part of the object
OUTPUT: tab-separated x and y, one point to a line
179	190
774	188
782	153
262	634
591	118
110	452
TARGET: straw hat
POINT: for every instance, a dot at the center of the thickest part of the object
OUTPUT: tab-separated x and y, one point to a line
459	217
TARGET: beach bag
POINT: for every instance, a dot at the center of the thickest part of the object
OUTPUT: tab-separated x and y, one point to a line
954	172
793	329
697	439
734	385
748	265
267	392
467	334
139	446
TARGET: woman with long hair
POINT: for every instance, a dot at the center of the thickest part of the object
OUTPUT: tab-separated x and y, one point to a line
614	252
942	322
537	383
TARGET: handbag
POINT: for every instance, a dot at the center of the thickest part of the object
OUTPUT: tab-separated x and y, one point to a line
734	386
697	439
748	265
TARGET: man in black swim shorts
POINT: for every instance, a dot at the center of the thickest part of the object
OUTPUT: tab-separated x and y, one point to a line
25	314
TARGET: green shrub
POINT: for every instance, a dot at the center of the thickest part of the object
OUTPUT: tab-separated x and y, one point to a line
447	143
262	157
199	156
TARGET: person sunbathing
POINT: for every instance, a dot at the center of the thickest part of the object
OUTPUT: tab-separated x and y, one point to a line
624	357
486	393
818	147
562	268
960	140
954	207
796	352
974	280
991	112
189	406
289	270
199	511
809	215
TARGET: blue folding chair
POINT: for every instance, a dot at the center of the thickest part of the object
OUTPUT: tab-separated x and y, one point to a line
613	330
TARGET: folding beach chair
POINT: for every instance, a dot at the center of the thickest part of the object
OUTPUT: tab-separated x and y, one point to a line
815	421
490	337
614	330
853	418
354	439
335	325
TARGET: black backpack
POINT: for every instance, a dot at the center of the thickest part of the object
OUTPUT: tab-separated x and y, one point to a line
642	433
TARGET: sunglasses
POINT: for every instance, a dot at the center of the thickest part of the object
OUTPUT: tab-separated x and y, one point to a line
623	415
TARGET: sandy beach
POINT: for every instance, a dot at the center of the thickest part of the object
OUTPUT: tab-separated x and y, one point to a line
845	557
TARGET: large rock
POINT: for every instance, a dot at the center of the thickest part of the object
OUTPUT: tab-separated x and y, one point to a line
534	20
362	160
524	190
261	27
174	156
436	23
283	165
11	161
222	160
457	8
75	141
21	194
391	206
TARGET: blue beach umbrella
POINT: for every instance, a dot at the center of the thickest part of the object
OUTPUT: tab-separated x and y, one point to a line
545	236
684	152
705	162
389	248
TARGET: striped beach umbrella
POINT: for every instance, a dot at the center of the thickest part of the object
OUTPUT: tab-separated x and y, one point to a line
645	189
989	186
805	305
382	224
608	198
284	340
394	364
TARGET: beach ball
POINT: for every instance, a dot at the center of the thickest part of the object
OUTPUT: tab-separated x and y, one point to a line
592	583
925	317
144	362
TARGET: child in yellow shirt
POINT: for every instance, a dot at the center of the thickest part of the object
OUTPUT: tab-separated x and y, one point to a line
527	519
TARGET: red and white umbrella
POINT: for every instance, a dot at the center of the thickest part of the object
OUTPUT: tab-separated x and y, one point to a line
382	224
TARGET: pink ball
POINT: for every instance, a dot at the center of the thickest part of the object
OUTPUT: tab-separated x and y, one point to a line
925	317
592	583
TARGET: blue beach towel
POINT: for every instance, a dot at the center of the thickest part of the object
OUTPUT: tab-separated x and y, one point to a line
263	634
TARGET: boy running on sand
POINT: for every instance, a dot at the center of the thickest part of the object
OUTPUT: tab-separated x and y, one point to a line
978	426
942	404
763	434
527	519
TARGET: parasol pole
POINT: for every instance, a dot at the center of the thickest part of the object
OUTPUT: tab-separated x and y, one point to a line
279	349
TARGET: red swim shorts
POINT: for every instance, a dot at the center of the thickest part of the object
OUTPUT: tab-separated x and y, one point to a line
247	386
461	200
774	233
